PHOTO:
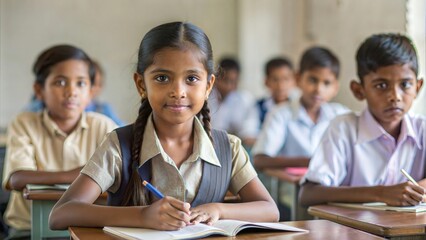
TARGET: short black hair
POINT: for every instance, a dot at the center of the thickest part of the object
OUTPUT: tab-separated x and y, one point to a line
319	57
276	63
385	49
228	63
56	54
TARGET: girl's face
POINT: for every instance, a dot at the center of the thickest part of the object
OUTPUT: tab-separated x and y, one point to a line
318	86
66	91
176	84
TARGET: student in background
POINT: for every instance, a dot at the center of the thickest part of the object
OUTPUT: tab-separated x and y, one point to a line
51	146
170	145
281	84
361	155
230	108
291	132
95	104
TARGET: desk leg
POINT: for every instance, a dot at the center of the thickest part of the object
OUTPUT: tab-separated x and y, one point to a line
275	189
40	221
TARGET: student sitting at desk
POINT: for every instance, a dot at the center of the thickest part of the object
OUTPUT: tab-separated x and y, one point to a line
51	146
361	155
292	131
230	108
170	145
281	83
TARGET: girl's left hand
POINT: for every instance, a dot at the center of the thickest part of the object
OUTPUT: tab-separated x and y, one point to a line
207	213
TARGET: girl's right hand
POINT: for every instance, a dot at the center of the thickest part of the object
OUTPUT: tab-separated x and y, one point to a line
167	213
403	194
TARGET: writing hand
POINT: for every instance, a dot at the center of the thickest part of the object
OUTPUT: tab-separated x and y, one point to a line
403	194
167	213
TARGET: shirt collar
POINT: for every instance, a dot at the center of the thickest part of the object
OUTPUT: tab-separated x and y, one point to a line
203	147
369	129
300	113
53	128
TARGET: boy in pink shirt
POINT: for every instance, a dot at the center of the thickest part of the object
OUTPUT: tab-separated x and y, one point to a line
360	156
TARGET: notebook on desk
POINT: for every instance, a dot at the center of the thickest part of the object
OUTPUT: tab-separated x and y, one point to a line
382	206
221	227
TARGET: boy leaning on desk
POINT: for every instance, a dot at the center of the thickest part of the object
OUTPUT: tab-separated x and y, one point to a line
361	155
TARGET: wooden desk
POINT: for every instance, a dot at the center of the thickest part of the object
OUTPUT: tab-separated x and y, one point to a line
280	176
318	230
41	205
389	224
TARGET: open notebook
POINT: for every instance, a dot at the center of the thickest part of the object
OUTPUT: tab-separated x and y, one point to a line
382	206
221	227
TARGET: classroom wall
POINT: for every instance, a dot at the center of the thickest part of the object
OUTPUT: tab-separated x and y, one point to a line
340	25
252	30
110	31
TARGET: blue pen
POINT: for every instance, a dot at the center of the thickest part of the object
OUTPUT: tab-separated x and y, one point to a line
152	189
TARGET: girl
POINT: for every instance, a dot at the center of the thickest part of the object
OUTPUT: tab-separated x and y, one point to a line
170	147
51	146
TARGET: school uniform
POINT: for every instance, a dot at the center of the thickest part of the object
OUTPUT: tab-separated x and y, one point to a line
232	113
357	151
36	143
289	131
105	166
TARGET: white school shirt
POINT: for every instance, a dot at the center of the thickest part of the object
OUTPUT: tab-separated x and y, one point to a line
289	131
357	151
232	113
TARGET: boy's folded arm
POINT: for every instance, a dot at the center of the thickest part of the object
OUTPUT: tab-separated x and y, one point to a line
262	161
312	194
19	179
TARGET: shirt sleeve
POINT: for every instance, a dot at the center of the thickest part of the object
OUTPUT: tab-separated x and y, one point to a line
242	169
273	133
246	126
105	165
329	164
20	151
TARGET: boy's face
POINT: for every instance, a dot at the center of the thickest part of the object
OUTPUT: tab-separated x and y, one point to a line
280	81
318	86
228	83
389	92
66	91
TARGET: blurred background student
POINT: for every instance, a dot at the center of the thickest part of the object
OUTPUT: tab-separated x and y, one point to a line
94	106
230	107
52	145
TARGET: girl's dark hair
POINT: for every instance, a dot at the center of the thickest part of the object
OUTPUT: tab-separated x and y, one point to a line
381	50
56	54
277	63
319	57
176	35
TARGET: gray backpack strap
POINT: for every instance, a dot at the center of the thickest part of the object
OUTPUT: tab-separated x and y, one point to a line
215	180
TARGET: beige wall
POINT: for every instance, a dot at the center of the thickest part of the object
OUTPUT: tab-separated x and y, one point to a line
110	31
253	30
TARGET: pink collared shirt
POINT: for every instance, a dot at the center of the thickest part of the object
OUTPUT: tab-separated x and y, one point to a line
357	151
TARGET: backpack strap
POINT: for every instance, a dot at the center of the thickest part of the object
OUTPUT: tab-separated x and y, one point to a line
125	138
215	180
